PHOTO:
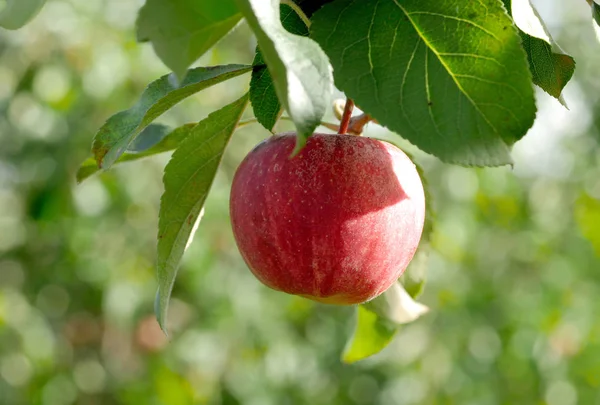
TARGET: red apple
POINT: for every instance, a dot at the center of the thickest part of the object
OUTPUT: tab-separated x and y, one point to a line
338	223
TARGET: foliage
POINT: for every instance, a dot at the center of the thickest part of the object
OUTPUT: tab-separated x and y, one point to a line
512	258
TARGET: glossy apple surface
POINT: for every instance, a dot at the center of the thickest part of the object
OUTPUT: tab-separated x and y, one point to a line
338	223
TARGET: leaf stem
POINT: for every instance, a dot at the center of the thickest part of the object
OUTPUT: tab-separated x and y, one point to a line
297	10
345	122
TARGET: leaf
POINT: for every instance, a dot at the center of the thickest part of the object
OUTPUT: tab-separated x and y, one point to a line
150	136
596	18
371	335
396	305
188	178
168	143
17	13
453	80
113	138
263	97
301	71
551	70
183	30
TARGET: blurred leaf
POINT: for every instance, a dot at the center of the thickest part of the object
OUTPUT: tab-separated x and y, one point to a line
150	136
183	30
371	335
17	13
169	142
551	70
188	178
301	71
396	306
263	97
587	215
113	138
453	80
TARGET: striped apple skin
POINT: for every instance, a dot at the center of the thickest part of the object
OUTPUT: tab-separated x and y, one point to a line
338	223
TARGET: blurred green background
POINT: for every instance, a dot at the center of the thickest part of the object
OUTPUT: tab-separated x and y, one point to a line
513	277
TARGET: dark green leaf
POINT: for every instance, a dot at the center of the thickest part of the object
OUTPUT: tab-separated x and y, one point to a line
120	130
150	136
188	178
453	80
17	13
182	30
371	335
301	71
168	143
263	97
551	70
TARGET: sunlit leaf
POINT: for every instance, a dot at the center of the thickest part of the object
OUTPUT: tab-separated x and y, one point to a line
300	69
371	335
396	306
453	80
188	178
596	18
182	30
114	137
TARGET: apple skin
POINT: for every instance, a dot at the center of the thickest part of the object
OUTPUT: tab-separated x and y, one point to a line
338	223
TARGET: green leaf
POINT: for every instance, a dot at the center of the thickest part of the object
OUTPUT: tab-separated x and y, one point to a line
150	136
263	97
300	70
168	143
551	70
396	306
17	13
596	18
113	138
371	335
188	178
453	80
183	30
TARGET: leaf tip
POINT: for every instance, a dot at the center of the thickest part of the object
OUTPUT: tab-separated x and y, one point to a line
160	311
300	143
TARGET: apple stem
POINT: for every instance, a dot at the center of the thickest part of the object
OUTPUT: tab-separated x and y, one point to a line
356	124
345	122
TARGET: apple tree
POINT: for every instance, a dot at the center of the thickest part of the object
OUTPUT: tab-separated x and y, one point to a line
454	78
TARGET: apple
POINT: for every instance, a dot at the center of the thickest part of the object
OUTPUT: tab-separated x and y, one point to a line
338	223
